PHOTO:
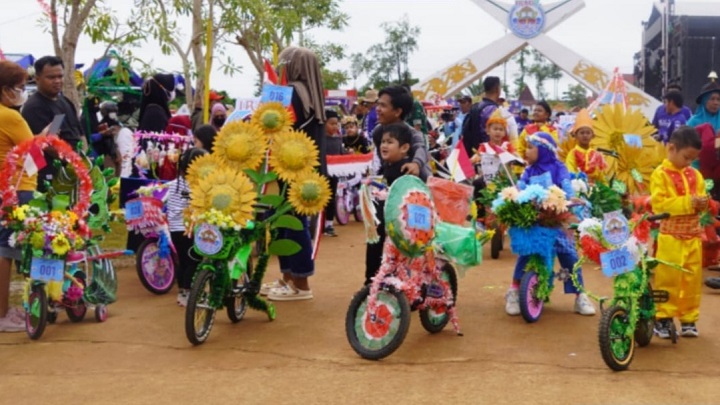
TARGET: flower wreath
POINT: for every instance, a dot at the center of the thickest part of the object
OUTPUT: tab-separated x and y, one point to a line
9	175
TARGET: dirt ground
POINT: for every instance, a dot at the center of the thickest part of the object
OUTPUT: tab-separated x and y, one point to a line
141	356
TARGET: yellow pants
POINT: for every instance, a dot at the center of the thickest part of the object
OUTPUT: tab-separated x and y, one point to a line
684	288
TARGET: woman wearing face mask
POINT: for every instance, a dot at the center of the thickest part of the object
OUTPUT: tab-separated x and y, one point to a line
13	131
158	92
218	115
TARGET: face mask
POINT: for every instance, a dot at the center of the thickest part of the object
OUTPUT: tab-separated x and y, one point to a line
112	116
22	98
218	121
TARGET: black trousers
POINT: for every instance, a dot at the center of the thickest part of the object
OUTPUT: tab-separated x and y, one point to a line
374	251
185	271
330	208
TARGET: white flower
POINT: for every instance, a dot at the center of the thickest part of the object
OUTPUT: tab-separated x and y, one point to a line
590	227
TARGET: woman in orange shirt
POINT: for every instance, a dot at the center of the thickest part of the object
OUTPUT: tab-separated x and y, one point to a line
13	131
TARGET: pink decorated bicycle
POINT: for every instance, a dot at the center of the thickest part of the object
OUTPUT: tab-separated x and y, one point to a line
416	272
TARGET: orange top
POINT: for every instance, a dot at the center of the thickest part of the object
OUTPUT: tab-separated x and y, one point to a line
13	131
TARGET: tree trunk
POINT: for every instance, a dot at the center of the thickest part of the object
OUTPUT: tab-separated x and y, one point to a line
196	46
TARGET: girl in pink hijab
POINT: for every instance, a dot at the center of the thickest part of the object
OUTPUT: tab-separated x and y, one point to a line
218	115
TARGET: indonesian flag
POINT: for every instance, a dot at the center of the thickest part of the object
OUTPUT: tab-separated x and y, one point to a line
349	165
270	75
461	168
34	160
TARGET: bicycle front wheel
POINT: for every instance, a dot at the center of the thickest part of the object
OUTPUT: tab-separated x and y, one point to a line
199	314
616	347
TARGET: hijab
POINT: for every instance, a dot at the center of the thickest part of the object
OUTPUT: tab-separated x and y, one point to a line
703	116
157	90
547	161
303	74
217	109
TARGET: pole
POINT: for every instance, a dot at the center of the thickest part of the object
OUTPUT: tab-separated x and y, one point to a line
208	65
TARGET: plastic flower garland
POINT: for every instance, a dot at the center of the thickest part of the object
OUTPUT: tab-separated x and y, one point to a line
593	244
241	145
49	234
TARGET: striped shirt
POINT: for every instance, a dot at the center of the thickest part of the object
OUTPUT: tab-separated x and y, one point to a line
176	203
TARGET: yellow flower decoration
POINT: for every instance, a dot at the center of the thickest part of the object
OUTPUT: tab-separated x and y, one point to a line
227	191
637	163
241	145
309	194
612	123
202	166
37	240
565	147
272	118
293	155
60	245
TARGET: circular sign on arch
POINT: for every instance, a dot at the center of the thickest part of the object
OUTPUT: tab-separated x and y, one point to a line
526	19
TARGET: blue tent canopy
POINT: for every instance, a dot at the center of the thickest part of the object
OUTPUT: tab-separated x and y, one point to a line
104	67
25	60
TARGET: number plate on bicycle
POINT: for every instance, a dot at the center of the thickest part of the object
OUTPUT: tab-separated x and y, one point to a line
208	239
47	269
616	262
418	217
133	210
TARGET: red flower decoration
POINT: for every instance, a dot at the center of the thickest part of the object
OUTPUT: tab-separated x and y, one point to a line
591	248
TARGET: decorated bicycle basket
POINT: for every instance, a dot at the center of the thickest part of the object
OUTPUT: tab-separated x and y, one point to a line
410	216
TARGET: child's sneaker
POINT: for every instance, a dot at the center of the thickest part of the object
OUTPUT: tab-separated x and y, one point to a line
182	297
689	330
583	306
512	302
663	328
11	324
329	231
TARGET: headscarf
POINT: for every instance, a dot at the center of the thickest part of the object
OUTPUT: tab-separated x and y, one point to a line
547	161
157	90
703	116
217	109
303	74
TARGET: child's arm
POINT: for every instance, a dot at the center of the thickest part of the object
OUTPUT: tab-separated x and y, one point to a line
663	201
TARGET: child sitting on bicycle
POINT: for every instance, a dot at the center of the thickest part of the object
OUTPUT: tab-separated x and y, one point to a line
679	190
394	148
177	202
353	141
334	146
496	129
582	158
541	156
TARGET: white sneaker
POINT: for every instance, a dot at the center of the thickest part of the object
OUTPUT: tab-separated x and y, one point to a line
182	297
512	302
583	306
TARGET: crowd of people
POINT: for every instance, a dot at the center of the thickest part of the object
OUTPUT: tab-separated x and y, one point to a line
391	124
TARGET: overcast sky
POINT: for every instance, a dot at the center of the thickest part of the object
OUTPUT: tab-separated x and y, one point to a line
607	32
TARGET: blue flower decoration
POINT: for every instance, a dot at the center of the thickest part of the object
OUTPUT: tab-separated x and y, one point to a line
533	192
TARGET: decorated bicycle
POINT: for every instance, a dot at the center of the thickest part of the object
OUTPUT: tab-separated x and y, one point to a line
418	266
536	215
156	257
622	248
64	265
348	169
229	213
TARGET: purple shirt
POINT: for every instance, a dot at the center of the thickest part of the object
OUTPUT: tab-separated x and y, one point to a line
667	123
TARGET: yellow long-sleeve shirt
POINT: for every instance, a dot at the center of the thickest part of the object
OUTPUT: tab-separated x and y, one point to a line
529	130
13	131
672	189
588	161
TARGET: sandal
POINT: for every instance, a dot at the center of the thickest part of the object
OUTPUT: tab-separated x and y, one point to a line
266	287
289	292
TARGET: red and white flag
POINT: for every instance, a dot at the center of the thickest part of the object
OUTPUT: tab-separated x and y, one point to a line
270	74
459	164
34	160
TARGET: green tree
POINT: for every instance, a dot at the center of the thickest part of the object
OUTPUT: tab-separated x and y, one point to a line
520	59
388	62
575	96
260	26
540	70
326	53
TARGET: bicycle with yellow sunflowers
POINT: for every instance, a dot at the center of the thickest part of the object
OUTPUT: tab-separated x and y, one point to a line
229	213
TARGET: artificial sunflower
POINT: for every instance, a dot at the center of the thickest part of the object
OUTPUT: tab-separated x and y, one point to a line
634	166
309	193
293	155
241	145
611	125
272	118
565	147
227	191
202	166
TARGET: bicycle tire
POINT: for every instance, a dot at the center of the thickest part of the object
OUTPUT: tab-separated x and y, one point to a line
612	325
165	284
198	294
429	318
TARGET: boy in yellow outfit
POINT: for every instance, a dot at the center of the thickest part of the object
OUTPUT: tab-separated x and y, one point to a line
679	190
582	158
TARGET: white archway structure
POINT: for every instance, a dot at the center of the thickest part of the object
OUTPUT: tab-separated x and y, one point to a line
528	22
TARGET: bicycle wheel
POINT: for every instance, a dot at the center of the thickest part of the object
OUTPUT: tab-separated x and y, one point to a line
530	306
496	244
37	313
377	336
76	312
236	304
199	314
341	209
616	348
156	274
101	313
435	319
644	332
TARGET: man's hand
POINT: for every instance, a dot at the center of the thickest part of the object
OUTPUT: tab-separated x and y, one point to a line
411	168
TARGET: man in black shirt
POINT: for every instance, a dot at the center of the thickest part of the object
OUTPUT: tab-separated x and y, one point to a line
45	104
473	131
48	101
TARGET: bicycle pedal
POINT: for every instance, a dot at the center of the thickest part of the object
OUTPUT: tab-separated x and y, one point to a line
660	296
